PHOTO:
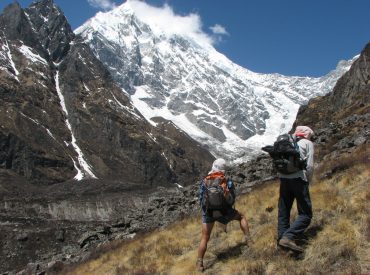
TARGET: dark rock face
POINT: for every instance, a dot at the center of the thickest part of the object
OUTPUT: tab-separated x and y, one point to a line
16	26
341	119
55	37
64	115
32	129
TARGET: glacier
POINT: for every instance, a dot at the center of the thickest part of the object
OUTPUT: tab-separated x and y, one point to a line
181	77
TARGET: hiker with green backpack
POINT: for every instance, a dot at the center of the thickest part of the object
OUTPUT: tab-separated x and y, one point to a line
217	197
293	159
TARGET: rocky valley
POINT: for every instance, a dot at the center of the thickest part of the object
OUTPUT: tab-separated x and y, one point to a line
83	162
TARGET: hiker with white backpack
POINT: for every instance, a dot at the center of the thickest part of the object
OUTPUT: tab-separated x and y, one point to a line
217	197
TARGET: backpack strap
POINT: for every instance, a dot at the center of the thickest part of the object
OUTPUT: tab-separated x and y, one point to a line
201	191
295	140
302	162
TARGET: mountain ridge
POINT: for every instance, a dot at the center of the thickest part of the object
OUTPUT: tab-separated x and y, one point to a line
81	120
228	108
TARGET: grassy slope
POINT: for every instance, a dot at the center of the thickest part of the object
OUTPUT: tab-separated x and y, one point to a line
338	239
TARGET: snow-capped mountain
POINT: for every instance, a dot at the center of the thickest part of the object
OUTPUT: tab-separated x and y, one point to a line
170	74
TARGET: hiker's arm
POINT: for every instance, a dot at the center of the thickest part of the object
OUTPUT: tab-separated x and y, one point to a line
310	153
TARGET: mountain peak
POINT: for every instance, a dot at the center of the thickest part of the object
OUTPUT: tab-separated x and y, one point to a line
46	8
170	69
161	21
43	3
52	27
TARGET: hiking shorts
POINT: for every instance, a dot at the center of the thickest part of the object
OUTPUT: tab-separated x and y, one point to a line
231	214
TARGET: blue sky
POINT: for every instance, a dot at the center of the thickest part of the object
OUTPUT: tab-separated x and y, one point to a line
290	37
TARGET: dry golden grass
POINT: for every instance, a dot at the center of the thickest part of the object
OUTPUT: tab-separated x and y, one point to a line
338	237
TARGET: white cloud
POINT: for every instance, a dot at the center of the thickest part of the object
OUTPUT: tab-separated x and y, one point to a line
164	19
102	4
218	29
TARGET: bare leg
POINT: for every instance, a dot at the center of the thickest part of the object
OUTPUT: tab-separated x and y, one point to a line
206	234
244	227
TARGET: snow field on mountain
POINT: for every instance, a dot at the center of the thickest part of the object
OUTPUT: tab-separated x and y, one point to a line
174	72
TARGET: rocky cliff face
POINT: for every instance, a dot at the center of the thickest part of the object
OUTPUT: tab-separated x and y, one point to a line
64	222
62	116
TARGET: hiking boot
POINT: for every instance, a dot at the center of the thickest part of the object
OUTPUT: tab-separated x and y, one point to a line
199	265
288	243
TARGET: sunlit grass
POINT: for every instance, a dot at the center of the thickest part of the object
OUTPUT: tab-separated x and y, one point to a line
338	237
